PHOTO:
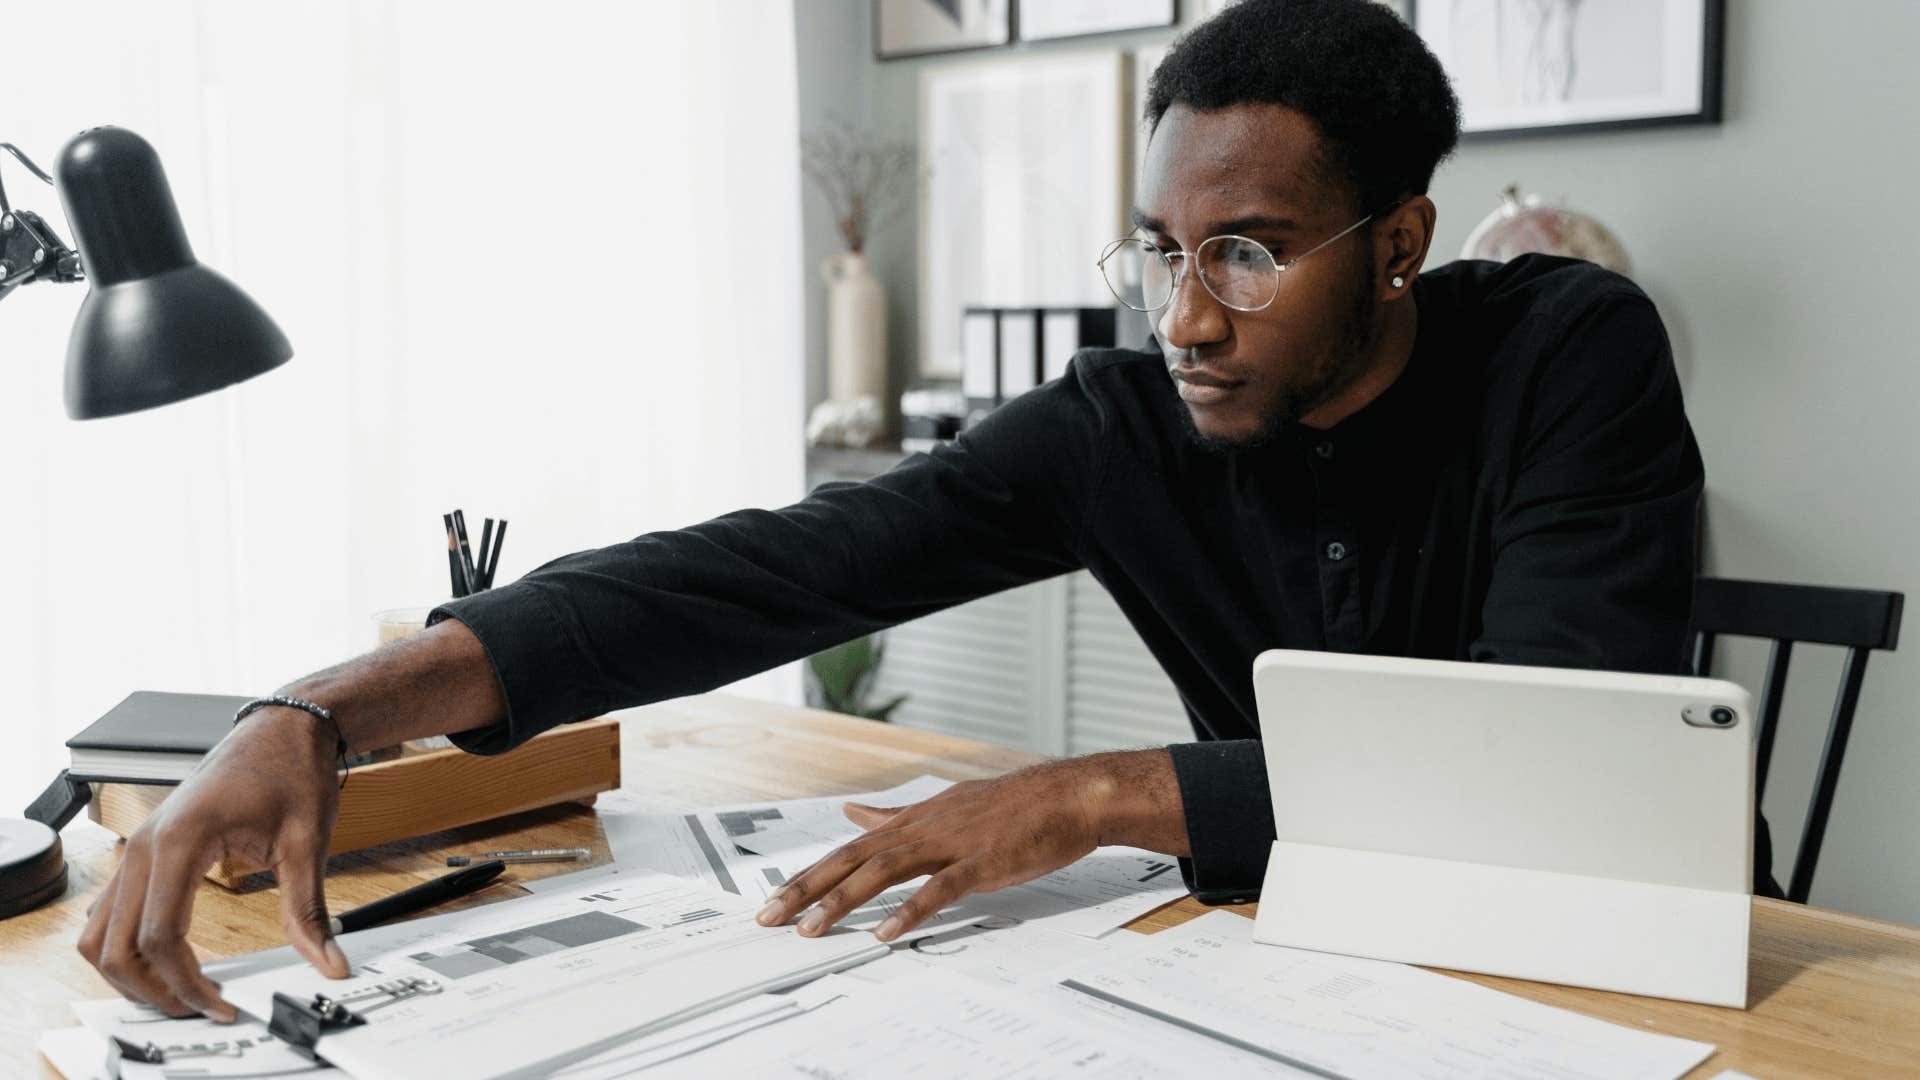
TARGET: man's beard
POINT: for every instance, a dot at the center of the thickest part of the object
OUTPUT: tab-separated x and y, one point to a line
1331	374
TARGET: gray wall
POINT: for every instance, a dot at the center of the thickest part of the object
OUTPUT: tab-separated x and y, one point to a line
1776	246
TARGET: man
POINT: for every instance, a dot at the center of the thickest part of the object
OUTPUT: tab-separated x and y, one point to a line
1324	450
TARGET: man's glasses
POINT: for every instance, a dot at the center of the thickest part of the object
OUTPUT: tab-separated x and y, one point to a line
1240	272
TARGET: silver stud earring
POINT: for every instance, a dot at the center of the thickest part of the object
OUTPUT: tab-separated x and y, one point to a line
1398	281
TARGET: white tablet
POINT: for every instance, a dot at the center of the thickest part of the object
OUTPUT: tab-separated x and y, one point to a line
1537	822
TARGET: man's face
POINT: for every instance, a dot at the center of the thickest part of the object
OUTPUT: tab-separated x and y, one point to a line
1255	170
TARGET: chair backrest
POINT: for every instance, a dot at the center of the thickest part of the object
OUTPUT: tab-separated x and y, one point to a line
1859	620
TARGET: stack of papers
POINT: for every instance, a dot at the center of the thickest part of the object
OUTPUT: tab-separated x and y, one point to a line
546	981
629	971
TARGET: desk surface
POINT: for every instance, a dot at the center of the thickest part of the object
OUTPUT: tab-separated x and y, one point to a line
1832	995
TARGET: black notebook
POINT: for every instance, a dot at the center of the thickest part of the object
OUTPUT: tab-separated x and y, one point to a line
152	737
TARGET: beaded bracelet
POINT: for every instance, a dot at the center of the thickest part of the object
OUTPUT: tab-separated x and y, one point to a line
303	705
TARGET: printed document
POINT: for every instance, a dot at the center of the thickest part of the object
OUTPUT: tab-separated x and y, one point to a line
528	986
938	1026
1367	1018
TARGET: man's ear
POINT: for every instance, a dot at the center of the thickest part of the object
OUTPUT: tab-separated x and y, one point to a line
1401	243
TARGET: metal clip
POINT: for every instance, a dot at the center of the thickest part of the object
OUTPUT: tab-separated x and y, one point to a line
300	1024
120	1051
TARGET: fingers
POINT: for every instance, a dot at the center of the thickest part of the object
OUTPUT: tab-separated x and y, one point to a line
874	876
93	936
165	918
120	958
869	817
303	907
813	883
940	891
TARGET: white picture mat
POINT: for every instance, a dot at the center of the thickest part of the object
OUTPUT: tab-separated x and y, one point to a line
1487	97
910	27
1041	19
1019	368
1021	189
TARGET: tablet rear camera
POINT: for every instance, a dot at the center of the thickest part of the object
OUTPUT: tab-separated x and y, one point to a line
1705	714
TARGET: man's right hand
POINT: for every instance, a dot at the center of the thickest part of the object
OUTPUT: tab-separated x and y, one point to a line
267	796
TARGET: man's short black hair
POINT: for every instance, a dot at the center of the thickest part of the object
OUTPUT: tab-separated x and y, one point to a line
1378	95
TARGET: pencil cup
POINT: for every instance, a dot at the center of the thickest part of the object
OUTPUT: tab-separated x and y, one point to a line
394	624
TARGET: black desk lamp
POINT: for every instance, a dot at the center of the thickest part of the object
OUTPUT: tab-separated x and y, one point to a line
156	327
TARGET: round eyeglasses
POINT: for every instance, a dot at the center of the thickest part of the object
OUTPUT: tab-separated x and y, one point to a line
1239	271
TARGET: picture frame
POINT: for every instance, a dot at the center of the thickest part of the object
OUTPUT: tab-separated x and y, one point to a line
1056	20
903	29
1521	67
1210	8
1023	171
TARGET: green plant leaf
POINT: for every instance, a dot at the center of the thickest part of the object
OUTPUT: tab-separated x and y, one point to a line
885	712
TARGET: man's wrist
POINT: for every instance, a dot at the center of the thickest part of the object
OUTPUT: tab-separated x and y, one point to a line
1132	798
326	740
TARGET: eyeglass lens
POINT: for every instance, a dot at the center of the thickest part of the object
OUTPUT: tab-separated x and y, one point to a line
1238	272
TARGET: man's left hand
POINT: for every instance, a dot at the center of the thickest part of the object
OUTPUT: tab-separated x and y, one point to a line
982	835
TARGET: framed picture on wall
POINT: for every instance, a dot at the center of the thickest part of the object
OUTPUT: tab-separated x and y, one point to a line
903	28
1046	20
1210	8
1023	167
1529	66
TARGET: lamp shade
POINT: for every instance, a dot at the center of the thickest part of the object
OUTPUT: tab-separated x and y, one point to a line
156	326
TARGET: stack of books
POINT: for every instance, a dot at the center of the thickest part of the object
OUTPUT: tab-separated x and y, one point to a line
151	741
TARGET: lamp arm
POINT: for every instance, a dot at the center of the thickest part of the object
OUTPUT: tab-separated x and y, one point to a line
29	248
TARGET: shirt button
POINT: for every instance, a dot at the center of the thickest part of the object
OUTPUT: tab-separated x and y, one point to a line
1336	551
1324	450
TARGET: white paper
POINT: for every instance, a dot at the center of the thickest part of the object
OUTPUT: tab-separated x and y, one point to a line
996	950
937	1026
1094	896
710	845
1356	1017
358	946
79	1052
75	1052
533	984
703	1033
194	1046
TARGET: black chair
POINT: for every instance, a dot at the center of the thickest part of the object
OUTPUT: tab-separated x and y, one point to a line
1860	620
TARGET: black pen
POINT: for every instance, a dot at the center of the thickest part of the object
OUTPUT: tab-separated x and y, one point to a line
419	898
493	560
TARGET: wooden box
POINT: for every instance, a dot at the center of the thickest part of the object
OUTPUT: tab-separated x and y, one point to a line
425	791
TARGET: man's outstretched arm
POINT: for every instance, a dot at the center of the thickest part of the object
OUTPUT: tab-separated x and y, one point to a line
656	617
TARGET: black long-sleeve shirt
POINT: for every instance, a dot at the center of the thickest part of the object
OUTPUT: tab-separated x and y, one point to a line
1525	492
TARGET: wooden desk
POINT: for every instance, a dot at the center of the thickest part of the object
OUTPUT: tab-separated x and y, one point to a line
1832	995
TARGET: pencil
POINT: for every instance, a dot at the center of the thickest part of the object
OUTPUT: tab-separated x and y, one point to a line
466	552
453	559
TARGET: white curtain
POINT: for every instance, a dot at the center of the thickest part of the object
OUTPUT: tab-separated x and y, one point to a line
541	261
